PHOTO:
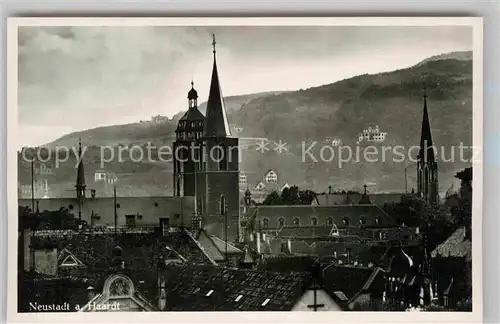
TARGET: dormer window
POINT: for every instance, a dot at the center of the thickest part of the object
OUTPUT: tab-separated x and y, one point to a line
377	220
281	222
209	293
296	221
314	221
345	221
265	223
266	302
329	221
238	298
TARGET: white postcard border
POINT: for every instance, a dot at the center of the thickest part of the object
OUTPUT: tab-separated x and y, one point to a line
246	317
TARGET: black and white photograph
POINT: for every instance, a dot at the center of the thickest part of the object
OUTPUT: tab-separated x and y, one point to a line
245	167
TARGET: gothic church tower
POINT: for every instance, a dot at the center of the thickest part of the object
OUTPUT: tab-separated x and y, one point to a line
427	171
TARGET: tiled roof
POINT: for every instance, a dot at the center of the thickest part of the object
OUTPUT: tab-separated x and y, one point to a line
211	288
140	250
286	263
340	199
52	290
455	246
355	214
363	253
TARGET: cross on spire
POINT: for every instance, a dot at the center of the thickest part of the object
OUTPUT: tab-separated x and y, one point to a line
364	186
315	306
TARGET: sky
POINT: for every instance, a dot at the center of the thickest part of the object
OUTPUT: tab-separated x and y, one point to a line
76	78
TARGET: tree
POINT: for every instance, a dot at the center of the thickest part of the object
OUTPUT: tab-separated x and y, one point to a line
290	196
60	219
272	199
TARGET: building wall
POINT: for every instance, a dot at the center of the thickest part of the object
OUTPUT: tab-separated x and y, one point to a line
321	298
178	209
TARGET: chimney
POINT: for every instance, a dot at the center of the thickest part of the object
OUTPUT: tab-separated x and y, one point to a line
27	255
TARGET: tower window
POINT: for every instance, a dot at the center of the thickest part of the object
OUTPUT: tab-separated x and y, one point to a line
222	207
222	157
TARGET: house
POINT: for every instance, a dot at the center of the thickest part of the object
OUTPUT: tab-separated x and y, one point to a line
342	216
271	177
452	265
105	177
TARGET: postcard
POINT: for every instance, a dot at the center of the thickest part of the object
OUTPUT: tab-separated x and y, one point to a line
243	169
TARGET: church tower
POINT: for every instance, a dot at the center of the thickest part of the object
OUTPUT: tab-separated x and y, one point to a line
189	131
427	171
218	176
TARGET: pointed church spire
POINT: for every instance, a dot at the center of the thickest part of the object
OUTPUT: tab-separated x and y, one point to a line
216	124
426	153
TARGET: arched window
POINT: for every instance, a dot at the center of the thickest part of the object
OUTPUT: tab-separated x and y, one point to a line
296	221
377	220
314	221
362	221
265	223
222	157
345	221
222	206
281	222
329	221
